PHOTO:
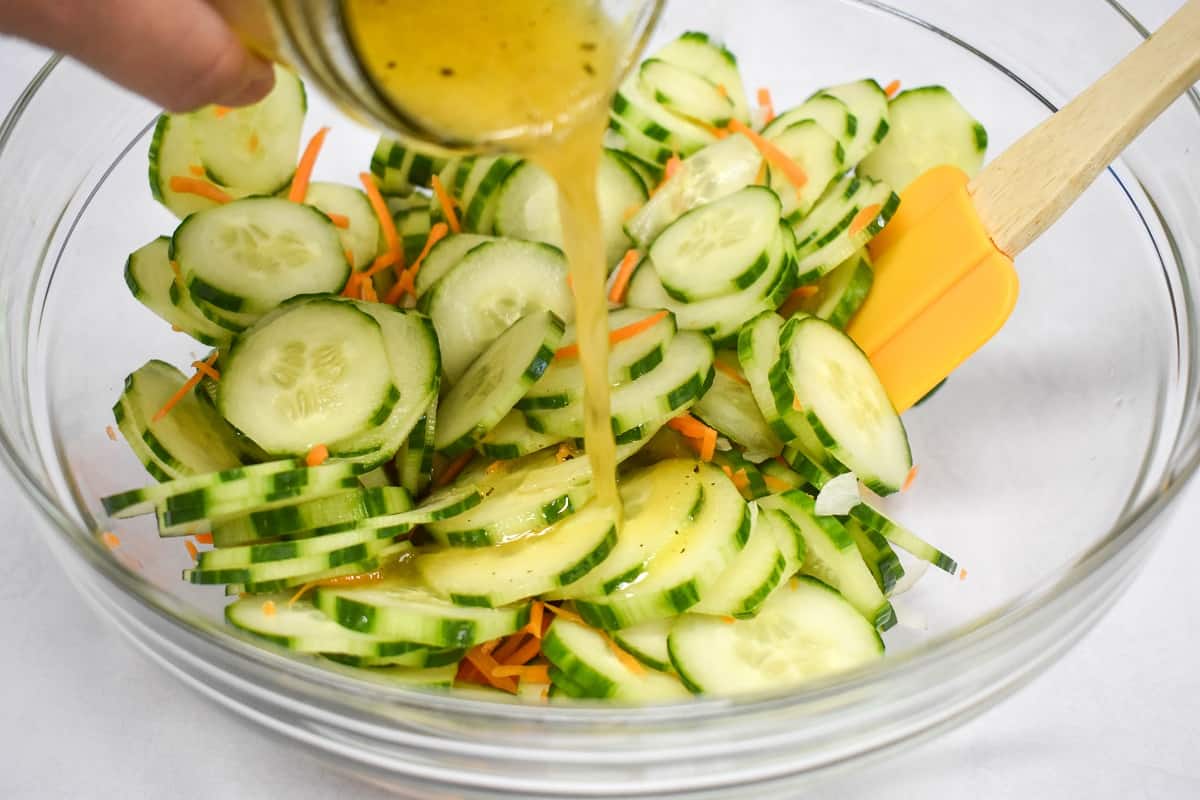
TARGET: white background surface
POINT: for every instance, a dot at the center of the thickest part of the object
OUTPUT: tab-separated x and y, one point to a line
83	715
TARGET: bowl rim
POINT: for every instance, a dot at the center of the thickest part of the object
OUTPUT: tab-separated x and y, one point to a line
1027	609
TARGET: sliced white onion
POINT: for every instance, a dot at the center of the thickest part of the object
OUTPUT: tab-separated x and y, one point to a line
838	496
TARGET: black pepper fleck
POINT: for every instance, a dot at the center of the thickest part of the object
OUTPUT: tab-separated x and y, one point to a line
447	72
588	68
588	47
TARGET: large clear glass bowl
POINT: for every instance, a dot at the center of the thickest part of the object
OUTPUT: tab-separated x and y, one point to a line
1047	462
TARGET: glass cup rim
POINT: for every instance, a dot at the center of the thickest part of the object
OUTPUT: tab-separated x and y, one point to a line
954	647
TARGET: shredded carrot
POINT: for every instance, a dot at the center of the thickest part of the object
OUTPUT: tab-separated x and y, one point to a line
343	580
349	256
911	478
509	646
268	608
204	538
538	673
630	212
523	654
617	335
891	89
629	662
182	392
723	90
559	611
192	551
776	484
493	467
534	628
962	574
338	220
407	281
672	168
304	169
729	372
254	143
111	540
467	673
381	263
185	185
563	453
221	111
728	620
178	273
317	456
453	468
760	177
545	695
791	170
379	206
197	170
797	405
708	445
366	291
766	104
741	481
447	204
487	665
110	433
351	287
489	647
207	371
624	273
689	426
728	470
864	218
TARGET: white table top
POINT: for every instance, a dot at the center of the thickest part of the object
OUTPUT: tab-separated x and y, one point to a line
85	715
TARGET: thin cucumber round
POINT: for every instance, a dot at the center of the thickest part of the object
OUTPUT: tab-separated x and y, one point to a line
401	168
638	109
480	193
750	579
414	461
842	292
267	552
820	256
304	564
829	112
512	438
729	406
700	55
875	520
389	555
647	643
149	276
136	502
878	555
363	237
758	352
342	510
788	536
818	154
685	93
173	153
869	105
444	256
159	470
587	661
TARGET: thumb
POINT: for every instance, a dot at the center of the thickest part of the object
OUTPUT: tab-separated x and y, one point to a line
181	54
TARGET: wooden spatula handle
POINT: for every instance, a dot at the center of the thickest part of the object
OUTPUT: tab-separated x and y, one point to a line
1027	188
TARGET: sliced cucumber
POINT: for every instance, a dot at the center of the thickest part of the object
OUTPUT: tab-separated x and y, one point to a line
686	94
136	502
413	219
878	555
330	514
875	520
832	556
444	256
586	660
758	352
824	253
414	462
254	147
149	276
929	127
637	144
752	576
352	552
157	469
780	476
363	236
481	191
638	109
686	568
845	403
491	288
818	154
173	153
250	255
803	632
869	105
496	380
647	643
512	438
315	372
419	677
842	292
401	168
730	407
245	556
788	536
527	206
829	112
398	608
718	248
385	557
700	55
659	502
496	576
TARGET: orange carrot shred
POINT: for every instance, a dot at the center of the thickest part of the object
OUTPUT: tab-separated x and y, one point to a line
776	484
708	446
204	538
110	433
617	335
487	665
911	478
797	405
489	647
864	218
188	385
379	206
569	616
630	212
338	220
962	574
453	468
534	628
304	169
268	608
447	204
209	191
760	177
494	467
723	90
407	281
382	262
563	453
672	168
728	620
537	673
525	653
204	369
624	273
791	170
351	287
629	662
728	470
317	456
111	540
766	104
254	143
729	372
192	551
366	291
510	645
689	426
220	112
197	170
891	89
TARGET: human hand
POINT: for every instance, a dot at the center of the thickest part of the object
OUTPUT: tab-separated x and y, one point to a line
179	53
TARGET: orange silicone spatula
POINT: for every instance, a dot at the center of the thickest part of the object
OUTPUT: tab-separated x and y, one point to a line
944	277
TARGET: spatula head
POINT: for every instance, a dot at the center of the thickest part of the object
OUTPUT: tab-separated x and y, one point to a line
941	288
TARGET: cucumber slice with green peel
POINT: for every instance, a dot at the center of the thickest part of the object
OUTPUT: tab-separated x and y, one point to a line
718	170
495	381
447	503
482	189
878	555
563	687
192	438
253	147
232	321
659	502
586	660
808	466
422	659
684	93
533	565
363	237
780	477
729	406
758	352
267	552
831	556
650	174
389	555
824	254
315	372
149	276
250	255
929	128
744	474
303	628
647	643
682	378
157	469
416	678
290	567
700	55
640	111
302	520
638	145
401	168
444	256
788	537
414	462
413	220
869	105
491	288
803	632
845	403
686	568
875	520
173	153
628	359
842	291
718	248
527	206
818	154
834	117
400	609
136	502
750	579
512	438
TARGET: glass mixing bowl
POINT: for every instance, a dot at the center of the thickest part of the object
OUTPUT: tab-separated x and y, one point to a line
1047	462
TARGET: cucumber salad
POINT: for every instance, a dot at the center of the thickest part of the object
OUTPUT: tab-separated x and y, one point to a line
380	459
